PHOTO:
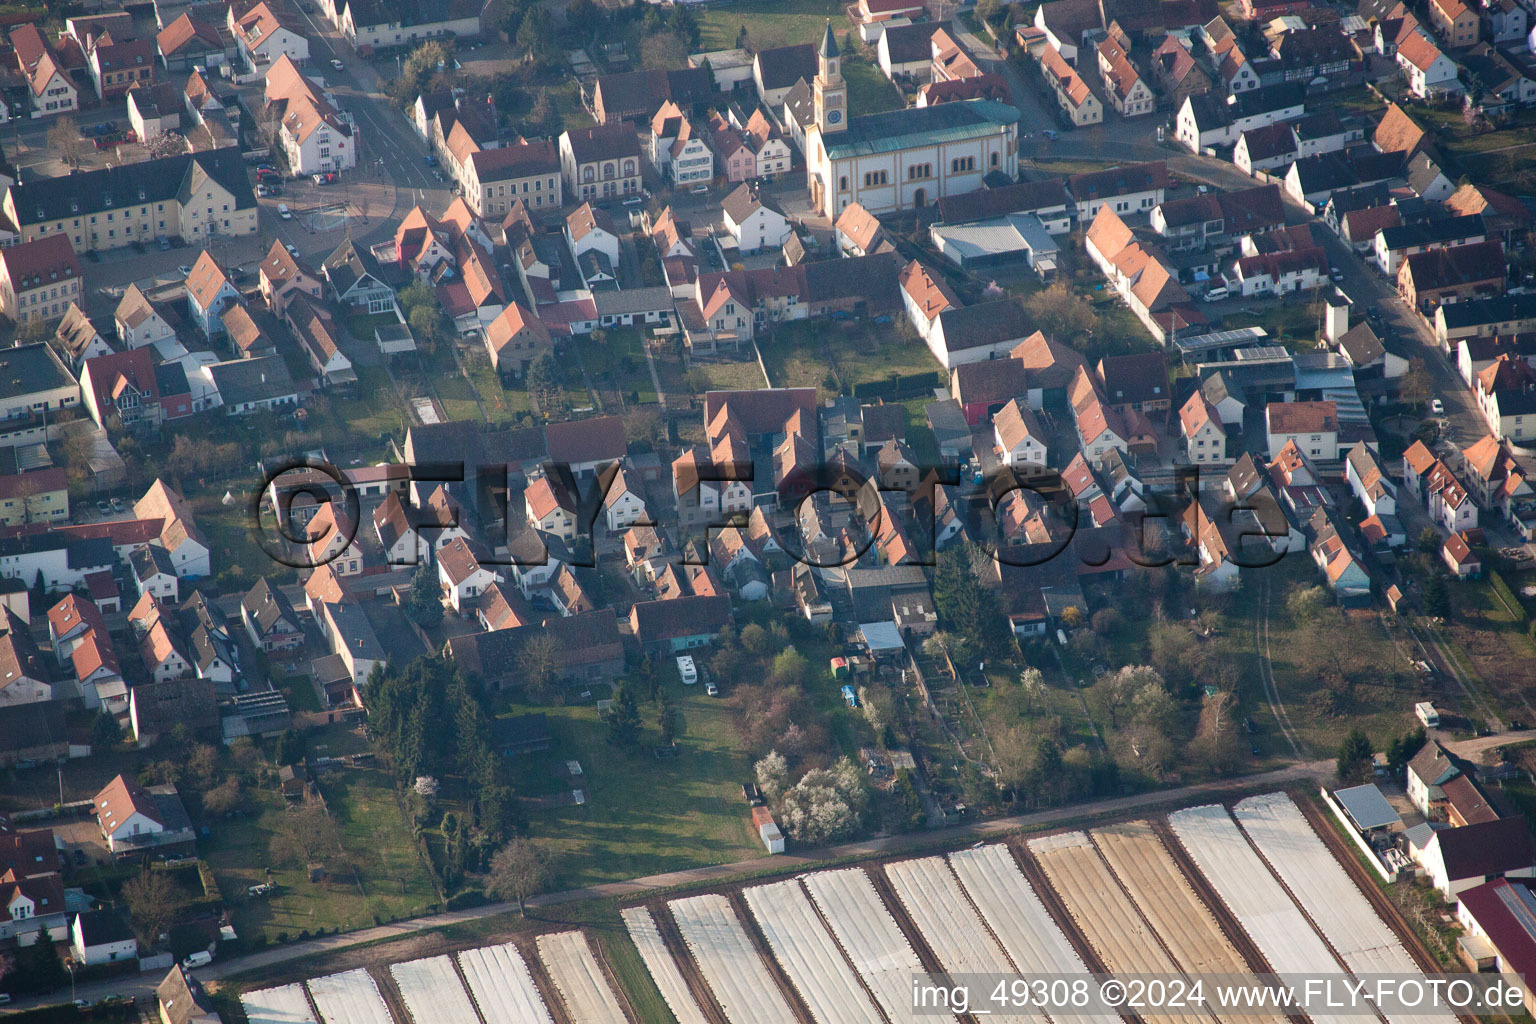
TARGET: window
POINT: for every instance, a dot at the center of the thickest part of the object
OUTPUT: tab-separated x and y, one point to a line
962	163
842	183
875	178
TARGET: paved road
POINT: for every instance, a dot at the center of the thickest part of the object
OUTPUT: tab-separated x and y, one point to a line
1299	773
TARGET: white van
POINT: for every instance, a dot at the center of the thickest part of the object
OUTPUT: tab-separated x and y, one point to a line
201	958
687	670
284	212
1215	293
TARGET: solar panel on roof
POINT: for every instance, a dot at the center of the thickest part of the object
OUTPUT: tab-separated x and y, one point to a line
1521	904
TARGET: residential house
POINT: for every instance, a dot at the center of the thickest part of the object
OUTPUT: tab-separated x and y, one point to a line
1456	274
314	134
1074	97
102	937
601	162
282	274
461	575
134	388
357	281
209	291
1313	426
269	618
40	279
681	624
1020	437
1455	22
1430	73
141	322
267	33
754	219
775	70
1205	438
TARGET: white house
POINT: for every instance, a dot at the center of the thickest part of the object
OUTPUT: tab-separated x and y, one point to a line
265	33
126	810
1462	858
754	219
623	506
209	293
1430	73
1369	481
461	575
588	227
1314	426
315	136
1205	438
1019	436
102	937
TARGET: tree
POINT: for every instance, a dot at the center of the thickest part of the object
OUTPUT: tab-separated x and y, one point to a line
424	322
666	719
1429	540
624	725
223	798
33	329
772	774
65	141
539	664
290	747
544	381
1061	313
543	111
1416	384
304	834
826	805
1119	689
203	765
662	51
1306	604
105	732
421	65
789	669
425	604
988	10
1355	757
519	870
153	901
1216	734
537	33
1437	596
1402	749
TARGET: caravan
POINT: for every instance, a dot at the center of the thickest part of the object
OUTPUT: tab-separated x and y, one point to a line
687	670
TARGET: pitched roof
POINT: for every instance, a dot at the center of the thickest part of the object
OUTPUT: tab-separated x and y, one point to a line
43	261
1302	417
654	621
121	799
780	67
588	440
1119	181
1486	848
603	142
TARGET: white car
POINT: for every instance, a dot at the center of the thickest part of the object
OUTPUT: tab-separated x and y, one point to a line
338	65
284	212
1437	407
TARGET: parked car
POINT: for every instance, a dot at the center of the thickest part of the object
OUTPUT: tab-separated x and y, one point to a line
325	178
431	160
338	65
292	249
165	244
261	190
103	508
711	689
700	190
1437	407
199	959
184	270
284	212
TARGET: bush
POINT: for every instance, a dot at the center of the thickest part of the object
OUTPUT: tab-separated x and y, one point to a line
466	899
1107	621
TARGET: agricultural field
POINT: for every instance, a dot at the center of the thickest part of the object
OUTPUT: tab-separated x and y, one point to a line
1206	890
653	950
1326	893
579	979
808	955
432	992
768	23
502	988
726	958
286	1004
351	997
1102	911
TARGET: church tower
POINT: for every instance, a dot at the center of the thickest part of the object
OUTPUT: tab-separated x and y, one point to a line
831	93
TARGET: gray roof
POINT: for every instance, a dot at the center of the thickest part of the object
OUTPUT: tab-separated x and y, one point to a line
349	264
173	177
150	560
27	369
356	632
633	300
1366	806
1433	232
910	126
251	380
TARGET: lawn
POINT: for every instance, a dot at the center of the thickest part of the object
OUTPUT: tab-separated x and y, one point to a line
502	405
618	361
1496	649
458	398
869	91
1289	319
769	23
732	375
372	408
362	325
377	877
642	815
799	354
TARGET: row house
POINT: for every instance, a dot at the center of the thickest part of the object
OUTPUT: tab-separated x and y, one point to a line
1207	122
527	170
1506	396
600	163
1128	94
1442	276
1455	22
1395	244
1177	73
1199	222
52	89
118	67
1072	93
39	279
677	150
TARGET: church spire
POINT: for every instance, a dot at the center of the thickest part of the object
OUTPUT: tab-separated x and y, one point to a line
828	46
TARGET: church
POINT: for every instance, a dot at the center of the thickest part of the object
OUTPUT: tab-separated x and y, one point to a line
901	159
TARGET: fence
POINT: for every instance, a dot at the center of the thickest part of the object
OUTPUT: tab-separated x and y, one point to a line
895	388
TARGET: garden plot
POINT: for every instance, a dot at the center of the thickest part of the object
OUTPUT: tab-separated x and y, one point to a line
1255	898
286	1004
503	989
351	997
728	960
810	958
1165	899
1328	895
1107	918
1010	907
869	935
658	960
583	987
937	905
432	991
